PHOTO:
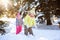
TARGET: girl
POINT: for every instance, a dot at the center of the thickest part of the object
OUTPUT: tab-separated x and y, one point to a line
18	23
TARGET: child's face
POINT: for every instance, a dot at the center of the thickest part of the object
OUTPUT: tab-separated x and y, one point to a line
32	15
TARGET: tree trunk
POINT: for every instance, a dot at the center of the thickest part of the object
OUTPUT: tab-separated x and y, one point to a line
49	22
47	17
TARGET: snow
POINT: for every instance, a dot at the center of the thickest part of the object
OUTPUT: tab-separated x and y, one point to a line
38	33
12	24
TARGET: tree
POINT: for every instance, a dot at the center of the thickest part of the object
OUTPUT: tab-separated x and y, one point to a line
45	7
47	16
58	8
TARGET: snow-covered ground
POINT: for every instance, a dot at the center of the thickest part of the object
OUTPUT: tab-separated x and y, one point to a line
38	33
12	24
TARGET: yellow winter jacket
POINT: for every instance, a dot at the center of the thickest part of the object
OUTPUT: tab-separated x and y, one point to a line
29	21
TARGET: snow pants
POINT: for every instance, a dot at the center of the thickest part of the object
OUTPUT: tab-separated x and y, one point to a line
28	30
18	29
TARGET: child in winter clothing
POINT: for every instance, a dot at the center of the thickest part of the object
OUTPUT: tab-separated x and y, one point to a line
19	23
29	22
